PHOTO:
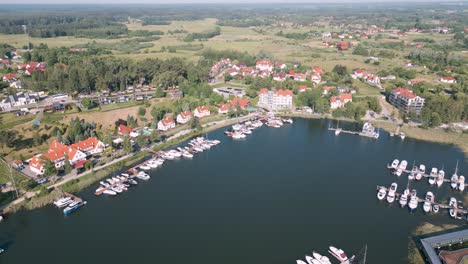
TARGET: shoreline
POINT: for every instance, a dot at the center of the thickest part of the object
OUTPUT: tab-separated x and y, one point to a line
457	139
89	178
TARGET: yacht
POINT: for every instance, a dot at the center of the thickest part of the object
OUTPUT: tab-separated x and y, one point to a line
433	176
110	181
116	189
422	169
153	164
187	154
413	201
402	136
123	187
100	189
435	208
300	262
246	131
404	198
62	202
115	179
338	254
73	207
461	183
105	184
320	258
237	127
143	176
428	202
132	181
454	181
398	172
125	175
418	176
453	207
440	178
289	120
310	260
391	192
403	165
412	176
238	135
395	164
381	194
337	131
109	192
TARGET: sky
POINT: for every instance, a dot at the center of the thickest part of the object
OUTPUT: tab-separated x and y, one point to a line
207	1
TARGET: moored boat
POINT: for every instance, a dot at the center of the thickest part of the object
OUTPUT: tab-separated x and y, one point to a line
62	202
109	192
338	254
143	176
453	207
461	183
381	193
73	207
395	164
433	176
440	178
413	201
404	198
320	258
392	192
427	207
435	208
454	181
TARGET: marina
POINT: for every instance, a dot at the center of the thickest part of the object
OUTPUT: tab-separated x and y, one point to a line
367	131
273	197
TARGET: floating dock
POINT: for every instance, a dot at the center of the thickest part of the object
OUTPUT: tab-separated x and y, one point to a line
424	175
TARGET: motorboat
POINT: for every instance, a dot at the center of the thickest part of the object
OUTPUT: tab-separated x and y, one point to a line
435	208
116	189
105	184
433	176
440	178
187	154
338	254
411	176
414	170
145	167
143	176
461	183
453	207
320	258
337	131
382	193
110	181
238	135
404	198
454	181
99	190
73	207
237	127
110	192
300	262
125	175
403	165
427	207
402	136
132	182
395	164
413	201
115	179
153	164
62	202
311	260
422	169
392	192
418	176
123	187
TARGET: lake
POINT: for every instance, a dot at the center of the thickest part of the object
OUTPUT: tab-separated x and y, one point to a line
270	198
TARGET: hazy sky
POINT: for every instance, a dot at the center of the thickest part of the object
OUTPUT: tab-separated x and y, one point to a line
202	1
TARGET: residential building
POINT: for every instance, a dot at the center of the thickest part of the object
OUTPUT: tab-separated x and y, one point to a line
281	65
264	65
406	100
326	89
184	117
279	77
340	101
20	99
202	111
316	78
275	100
124	130
342	45
224	108
90	146
447	80
166	124
239	102
303	88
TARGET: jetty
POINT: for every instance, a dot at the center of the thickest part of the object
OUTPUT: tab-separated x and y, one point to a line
420	200
367	131
423	174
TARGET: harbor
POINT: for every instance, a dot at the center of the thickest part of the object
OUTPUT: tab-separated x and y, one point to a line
273	197
69	202
367	131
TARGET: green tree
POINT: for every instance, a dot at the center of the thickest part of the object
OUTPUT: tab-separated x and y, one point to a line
127	145
37	138
141	111
340	70
435	120
360	50
49	168
195	123
67	167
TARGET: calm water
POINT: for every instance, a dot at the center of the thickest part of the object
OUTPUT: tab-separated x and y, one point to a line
270	198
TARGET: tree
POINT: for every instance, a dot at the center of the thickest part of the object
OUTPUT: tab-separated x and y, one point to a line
87	103
141	111
195	123
49	168
59	135
67	167
37	138
340	70
227	77
154	135
127	145
459	36
360	50
435	120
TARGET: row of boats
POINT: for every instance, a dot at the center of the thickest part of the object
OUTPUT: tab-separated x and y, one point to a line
118	184
436	176
241	130
410	199
316	258
69	204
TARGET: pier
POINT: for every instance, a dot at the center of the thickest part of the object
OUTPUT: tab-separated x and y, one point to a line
420	200
423	174
71	195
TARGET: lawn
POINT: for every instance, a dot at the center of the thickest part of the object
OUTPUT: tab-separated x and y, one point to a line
9	120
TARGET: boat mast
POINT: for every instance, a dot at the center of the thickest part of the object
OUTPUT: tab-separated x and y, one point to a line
456	168
365	254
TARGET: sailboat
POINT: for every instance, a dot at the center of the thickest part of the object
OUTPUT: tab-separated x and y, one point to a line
440	178
433	176
413	202
338	129
454	179
404	197
427	207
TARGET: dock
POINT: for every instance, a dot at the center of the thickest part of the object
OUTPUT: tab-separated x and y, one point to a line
424	175
369	134
71	195
420	200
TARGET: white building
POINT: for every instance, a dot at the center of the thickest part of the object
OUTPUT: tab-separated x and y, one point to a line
184	117
275	100
202	111
166	124
264	65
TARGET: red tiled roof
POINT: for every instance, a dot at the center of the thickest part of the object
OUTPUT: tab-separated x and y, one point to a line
303	87
333	99
345	96
204	108
448	78
123	129
405	92
241	102
263	90
168	121
264	62
318	70
36	162
282	92
10	76
225	107
186	114
87	144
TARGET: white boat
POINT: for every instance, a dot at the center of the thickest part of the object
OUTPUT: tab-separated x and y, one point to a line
461	183
413	201
427	207
320	258
412	176
115	179
187	154
422	168
145	167
153	164
402	136
143	176
62	202
403	165
454	181
435	208
246	131
110	181
433	176
100	189
237	127
381	193
418	176
338	254
414	170
116	189
105	184
337	131
440	178
453	207
109	192
125	175
391	192
398	172
238	135
300	262
132	181
404	198
395	164
309	259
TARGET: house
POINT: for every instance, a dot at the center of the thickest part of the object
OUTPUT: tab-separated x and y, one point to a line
248	71
4	62
318	70
447	80
90	146
264	65
303	88
166	124
343	45
35	165
19	99
300	77
184	117
233	72
32	67
315	78
326	89
264	73
239	102
280	65
279	77
275	100
9	78
224	108
340	101
124	130
360	73
406	100
202	111
373	79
